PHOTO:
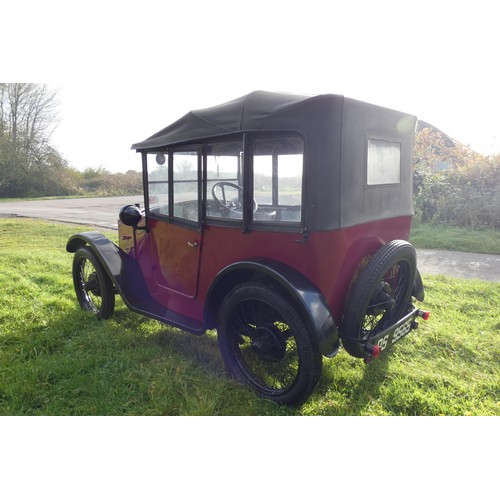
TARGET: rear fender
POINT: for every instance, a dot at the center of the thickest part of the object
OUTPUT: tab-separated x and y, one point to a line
303	295
418	288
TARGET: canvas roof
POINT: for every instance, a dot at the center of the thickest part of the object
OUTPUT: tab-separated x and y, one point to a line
259	110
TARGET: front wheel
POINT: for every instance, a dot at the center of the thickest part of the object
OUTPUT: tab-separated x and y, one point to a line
93	287
265	343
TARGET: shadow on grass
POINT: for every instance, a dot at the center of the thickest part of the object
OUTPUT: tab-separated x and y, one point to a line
78	365
202	354
348	387
202	349
130	364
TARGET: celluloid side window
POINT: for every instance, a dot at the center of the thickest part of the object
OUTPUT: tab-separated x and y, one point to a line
277	168
158	183
186	197
224	163
383	162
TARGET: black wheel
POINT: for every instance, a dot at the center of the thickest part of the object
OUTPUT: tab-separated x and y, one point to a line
265	343
93	287
381	295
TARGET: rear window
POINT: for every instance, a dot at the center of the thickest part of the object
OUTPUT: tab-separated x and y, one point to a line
383	162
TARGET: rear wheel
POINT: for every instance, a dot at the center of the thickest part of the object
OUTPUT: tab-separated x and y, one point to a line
93	287
265	343
381	295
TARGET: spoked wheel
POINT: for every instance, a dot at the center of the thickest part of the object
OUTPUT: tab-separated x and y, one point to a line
265	343
381	295
93	287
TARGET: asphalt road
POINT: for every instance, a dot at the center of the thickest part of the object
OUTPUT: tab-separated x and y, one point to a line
96	212
103	213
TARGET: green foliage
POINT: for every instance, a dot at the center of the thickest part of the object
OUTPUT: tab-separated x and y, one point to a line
57	360
455	186
101	182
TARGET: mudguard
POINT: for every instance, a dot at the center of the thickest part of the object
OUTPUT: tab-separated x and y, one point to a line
418	288
305	297
123	271
107	252
129	281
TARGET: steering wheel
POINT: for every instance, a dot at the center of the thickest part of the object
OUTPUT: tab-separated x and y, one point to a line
233	206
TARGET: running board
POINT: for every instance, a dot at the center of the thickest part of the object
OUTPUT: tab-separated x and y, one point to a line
164	315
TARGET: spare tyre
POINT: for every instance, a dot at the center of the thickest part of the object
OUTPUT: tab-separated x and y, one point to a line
380	296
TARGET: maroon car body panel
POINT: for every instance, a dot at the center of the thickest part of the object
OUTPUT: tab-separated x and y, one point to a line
179	264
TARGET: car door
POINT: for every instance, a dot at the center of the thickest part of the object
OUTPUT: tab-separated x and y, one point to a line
174	222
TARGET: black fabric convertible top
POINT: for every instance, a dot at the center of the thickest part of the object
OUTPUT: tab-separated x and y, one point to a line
336	131
258	110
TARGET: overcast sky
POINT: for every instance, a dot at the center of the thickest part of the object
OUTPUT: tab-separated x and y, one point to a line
127	69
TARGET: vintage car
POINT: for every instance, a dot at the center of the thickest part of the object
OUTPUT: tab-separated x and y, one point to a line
279	220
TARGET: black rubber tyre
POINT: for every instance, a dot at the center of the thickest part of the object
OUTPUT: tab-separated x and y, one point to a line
265	343
93	287
381	296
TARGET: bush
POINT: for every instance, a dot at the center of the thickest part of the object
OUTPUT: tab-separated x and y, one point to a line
465	193
101	182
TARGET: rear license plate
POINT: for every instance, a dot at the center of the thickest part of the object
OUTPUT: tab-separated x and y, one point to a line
390	338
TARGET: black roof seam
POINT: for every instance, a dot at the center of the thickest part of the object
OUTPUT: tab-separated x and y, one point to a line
211	123
243	108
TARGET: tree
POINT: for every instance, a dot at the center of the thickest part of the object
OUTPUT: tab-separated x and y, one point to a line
28	116
30	165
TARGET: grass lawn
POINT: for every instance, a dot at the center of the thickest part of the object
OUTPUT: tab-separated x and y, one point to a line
455	238
57	360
